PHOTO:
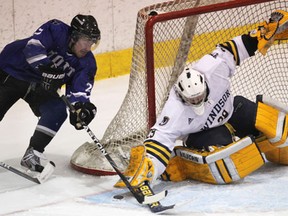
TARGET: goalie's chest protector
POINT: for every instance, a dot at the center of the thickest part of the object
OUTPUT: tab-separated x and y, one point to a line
218	107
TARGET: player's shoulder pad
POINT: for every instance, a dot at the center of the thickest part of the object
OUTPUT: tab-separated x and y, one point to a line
59	31
58	25
56	22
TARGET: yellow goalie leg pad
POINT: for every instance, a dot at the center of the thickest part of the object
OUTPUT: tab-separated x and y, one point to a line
223	165
273	154
278	155
180	169
140	168
264	145
272	123
268	32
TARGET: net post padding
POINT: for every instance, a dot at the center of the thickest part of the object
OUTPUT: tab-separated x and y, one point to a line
183	31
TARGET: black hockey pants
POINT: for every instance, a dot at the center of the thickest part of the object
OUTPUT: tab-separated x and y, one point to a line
50	109
242	121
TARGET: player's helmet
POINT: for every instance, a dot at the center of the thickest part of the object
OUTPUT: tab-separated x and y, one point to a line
192	88
86	25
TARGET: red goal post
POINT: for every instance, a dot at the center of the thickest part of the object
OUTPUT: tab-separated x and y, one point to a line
179	32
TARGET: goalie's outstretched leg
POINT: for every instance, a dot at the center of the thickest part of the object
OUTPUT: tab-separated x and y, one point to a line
272	121
220	165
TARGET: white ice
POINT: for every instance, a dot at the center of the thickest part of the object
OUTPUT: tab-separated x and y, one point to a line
69	192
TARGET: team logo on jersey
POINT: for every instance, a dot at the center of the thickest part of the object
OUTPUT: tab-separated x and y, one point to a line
190	120
164	121
59	61
151	133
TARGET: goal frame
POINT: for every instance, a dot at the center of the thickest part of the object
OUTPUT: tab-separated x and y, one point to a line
150	69
168	36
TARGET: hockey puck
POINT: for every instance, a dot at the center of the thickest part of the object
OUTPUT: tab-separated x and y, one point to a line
118	197
52	163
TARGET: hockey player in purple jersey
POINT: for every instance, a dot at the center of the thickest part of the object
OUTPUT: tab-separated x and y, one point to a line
34	68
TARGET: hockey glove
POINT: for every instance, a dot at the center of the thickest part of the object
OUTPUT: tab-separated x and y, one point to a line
275	29
52	78
85	113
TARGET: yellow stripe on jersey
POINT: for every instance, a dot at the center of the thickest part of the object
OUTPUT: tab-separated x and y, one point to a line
232	47
158	150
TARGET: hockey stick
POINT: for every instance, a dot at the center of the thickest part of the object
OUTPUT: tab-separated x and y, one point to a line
44	175
141	196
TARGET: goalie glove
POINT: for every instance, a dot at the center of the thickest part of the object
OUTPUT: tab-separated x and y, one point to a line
84	113
275	29
52	78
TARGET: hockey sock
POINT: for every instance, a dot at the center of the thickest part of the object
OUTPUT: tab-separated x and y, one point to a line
39	141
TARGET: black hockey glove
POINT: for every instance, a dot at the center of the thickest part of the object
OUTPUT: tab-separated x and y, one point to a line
85	112
52	78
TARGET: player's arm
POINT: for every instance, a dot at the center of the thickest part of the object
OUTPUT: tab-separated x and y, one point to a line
52	78
155	146
43	39
261	39
78	91
162	137
50	74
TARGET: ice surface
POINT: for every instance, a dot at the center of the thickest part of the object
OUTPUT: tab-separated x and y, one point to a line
70	193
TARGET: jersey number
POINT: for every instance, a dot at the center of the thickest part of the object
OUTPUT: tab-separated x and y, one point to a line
223	116
89	87
39	31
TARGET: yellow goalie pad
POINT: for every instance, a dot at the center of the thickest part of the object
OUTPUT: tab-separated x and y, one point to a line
264	145
271	120
221	166
273	154
272	123
278	155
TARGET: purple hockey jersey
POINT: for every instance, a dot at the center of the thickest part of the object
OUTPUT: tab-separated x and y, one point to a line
50	44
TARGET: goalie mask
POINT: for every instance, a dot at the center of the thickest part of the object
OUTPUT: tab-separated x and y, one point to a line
192	88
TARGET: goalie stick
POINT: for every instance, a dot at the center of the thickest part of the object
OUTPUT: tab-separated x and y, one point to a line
43	176
143	194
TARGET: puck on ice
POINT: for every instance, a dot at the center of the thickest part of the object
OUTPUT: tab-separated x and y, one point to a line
119	197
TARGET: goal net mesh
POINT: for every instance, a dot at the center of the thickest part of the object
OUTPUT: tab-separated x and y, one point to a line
181	37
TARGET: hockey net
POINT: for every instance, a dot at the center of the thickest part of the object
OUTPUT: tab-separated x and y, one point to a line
176	33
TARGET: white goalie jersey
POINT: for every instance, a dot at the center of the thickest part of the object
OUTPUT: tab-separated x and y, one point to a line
177	119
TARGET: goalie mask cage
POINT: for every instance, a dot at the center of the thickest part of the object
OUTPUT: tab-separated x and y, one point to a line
174	34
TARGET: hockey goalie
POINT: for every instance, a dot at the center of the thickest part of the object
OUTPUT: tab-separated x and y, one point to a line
225	138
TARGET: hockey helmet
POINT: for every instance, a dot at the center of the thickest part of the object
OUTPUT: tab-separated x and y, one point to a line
192	88
86	25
